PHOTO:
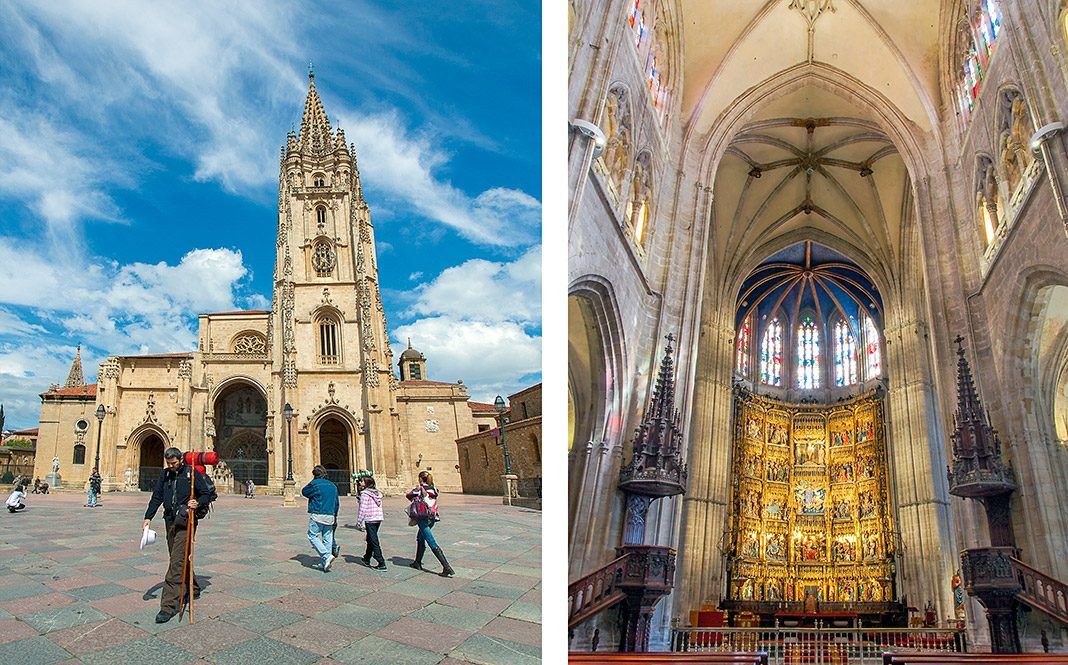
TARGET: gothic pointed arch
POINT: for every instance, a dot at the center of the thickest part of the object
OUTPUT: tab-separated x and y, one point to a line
239	419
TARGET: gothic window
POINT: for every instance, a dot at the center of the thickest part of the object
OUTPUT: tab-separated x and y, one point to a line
808	354
976	40
249	344
771	354
79	454
320	216
742	352
658	68
636	18
323	259
319	180
329	340
845	354
871	350
639	209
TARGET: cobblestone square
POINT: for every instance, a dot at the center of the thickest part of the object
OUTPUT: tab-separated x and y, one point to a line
75	588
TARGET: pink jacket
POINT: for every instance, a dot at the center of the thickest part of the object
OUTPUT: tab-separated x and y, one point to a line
370	507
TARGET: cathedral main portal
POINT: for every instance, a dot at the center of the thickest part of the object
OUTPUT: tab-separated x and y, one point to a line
241	423
810	527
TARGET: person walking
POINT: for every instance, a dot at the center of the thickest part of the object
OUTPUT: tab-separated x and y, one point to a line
423	512
94	488
322	515
250	488
172	491
369	518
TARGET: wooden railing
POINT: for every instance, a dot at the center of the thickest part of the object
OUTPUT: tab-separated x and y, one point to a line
595	592
1041	591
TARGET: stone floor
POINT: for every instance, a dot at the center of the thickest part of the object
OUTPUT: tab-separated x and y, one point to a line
75	588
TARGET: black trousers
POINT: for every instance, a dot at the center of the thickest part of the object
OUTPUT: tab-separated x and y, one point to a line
373	547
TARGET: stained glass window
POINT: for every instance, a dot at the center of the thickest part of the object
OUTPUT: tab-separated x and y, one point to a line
977	48
845	354
656	79
808	354
871	350
771	354
636	18
742	364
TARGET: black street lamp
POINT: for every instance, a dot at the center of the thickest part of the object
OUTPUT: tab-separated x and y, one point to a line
99	426
500	406
287	411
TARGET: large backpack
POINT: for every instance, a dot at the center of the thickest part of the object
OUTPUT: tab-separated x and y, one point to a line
202	509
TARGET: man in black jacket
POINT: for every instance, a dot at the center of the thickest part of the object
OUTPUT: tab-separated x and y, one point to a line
172	492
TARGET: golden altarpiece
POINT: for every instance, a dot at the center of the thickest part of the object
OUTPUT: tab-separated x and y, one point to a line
810	526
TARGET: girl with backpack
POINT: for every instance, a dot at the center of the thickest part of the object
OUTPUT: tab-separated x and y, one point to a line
369	519
423	512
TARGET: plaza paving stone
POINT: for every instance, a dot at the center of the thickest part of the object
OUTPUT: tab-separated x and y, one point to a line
74	587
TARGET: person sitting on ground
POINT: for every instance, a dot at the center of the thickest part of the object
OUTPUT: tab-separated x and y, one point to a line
370	518
44	488
322	513
17	500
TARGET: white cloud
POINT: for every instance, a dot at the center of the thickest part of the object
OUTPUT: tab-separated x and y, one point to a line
402	165
479	322
485	291
415	276
491	358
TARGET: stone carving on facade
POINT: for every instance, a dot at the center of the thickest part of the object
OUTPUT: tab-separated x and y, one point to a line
323	258
109	369
289	373
370	372
150	410
432	426
185	370
332	399
249	344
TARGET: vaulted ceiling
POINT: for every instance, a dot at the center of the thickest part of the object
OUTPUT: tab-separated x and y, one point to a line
816	149
889	45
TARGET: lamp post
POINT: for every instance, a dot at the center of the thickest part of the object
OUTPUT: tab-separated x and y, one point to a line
289	486
100	411
509	479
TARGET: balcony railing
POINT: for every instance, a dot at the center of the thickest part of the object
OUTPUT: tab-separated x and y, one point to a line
819	646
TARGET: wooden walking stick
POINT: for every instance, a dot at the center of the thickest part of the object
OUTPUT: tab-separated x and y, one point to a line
187	564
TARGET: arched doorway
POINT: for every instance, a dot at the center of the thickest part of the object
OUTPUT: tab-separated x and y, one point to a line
150	465
241	427
334	453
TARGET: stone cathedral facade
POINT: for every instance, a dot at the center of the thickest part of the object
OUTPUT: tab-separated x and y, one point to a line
323	348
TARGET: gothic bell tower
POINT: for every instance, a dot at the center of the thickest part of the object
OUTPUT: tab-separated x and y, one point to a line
327	333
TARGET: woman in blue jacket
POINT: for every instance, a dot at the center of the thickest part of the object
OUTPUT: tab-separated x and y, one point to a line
322	513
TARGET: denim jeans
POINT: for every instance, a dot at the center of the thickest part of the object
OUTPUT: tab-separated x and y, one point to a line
374	548
321	537
424	535
92	498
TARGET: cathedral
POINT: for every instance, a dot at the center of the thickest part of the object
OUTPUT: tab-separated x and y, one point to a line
818	326
275	392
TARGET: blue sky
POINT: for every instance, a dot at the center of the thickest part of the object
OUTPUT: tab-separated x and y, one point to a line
139	168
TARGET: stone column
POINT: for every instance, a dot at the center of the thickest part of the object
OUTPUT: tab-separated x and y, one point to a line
706	502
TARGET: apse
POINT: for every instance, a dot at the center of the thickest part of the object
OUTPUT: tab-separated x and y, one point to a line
808	322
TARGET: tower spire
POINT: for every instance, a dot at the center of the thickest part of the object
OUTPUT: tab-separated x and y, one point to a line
74	378
315	131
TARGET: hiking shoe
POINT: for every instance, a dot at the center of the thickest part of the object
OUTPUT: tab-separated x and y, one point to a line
366	562
337	551
381	566
326	564
164	616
